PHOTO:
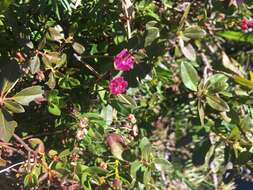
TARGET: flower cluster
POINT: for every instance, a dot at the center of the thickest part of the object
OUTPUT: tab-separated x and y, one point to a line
123	61
246	24
81	134
83	122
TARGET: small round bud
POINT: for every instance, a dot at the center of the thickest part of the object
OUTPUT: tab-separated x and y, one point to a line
81	134
40	76
103	165
116	184
132	118
83	122
135	131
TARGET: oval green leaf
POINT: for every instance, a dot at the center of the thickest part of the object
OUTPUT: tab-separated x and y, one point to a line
189	76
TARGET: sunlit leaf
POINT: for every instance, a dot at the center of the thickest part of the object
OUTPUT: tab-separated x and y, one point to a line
217	103
189	76
237	36
78	48
35	64
194	32
27	95
13	106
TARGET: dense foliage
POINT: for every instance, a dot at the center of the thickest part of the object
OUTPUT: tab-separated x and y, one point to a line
141	94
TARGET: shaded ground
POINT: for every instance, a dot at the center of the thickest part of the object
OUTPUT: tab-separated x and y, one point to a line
244	185
7	182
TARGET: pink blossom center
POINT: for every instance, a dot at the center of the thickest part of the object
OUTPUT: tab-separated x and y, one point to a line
118	85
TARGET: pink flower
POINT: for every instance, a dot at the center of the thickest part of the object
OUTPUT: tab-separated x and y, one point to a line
244	24
83	122
116	184
81	134
250	23
131	118
124	61
118	85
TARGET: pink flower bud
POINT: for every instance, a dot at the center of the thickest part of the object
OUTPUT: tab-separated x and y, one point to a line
244	27
250	23
81	134
83	122
40	76
103	165
244	21
117	184
131	118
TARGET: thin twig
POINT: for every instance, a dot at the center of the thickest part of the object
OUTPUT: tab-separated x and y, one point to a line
11	148
44	134
96	56
24	144
12	166
126	5
87	66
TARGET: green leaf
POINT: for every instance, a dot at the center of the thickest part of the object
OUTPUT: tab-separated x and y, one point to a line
95	171
51	81
13	106
7	126
35	141
185	15
152	34
235	133
162	165
237	36
52	153
247	123
29	94
147	177
68	82
217	83
189	76
144	142
231	64
127	100
244	82
54	109
78	48
244	157
9	74
189	52
6	86
194	32
217	103
64	154
55	33
146	148
135	166
54	60
4	4
107	114
35	64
